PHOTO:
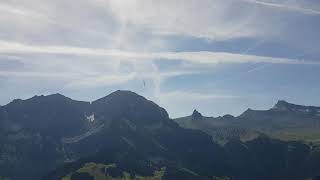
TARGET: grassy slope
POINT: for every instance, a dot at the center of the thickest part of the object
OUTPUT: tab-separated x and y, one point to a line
221	131
97	171
308	135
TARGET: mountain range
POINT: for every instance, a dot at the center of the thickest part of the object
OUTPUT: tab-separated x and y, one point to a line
126	136
283	121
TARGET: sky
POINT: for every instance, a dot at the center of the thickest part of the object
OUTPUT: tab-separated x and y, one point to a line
216	56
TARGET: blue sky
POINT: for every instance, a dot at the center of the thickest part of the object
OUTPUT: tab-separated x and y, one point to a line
218	56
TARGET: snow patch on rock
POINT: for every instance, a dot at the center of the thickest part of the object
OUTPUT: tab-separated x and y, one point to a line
90	118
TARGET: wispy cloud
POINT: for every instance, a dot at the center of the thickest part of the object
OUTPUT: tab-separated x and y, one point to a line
18	11
37	75
120	22
285	7
194	57
100	81
193	96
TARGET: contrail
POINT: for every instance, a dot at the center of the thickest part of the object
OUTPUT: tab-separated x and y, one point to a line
285	7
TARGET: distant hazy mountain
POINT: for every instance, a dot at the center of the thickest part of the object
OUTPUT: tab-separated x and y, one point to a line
285	121
125	136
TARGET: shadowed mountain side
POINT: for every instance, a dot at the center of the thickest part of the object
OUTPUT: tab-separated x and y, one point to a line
131	106
50	115
262	158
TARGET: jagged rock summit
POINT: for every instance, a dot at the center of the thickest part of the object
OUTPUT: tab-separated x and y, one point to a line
196	115
282	105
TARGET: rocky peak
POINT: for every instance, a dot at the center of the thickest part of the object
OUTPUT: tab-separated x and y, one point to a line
285	106
282	105
196	115
129	105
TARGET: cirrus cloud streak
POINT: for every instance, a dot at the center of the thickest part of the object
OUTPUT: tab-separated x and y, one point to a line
205	57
